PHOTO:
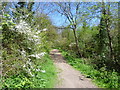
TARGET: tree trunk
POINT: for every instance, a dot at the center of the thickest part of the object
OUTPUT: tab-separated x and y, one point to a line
108	33
118	55
76	41
110	43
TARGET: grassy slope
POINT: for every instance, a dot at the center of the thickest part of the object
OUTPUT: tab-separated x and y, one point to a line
40	80
51	74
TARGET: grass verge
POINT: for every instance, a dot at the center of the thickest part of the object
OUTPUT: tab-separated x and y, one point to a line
42	79
101	78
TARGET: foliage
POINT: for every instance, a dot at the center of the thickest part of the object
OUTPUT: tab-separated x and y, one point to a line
23	43
28	35
102	77
42	79
100	41
24	50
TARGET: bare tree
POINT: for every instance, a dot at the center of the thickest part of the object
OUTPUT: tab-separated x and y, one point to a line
71	12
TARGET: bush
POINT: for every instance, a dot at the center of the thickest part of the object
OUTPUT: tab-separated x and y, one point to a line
102	77
44	77
23	54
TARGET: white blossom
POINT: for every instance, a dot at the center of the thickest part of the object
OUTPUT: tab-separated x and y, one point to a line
104	56
37	69
38	56
23	52
23	27
42	54
35	36
28	62
45	29
29	71
24	65
32	55
29	48
38	32
43	71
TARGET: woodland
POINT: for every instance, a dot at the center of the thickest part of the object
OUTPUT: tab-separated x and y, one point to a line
86	33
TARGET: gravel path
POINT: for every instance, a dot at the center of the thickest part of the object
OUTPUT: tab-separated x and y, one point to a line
68	77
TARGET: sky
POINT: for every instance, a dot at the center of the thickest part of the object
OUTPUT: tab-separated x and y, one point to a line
58	19
62	0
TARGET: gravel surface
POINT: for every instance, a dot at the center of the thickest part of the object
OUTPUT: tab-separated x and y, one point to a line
68	77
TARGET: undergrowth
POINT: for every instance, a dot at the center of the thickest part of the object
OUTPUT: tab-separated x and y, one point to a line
101	78
42	79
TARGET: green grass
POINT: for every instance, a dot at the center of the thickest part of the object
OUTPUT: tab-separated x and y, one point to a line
101	78
50	74
40	80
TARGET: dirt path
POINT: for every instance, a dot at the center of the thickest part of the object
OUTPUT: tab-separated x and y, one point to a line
68	77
